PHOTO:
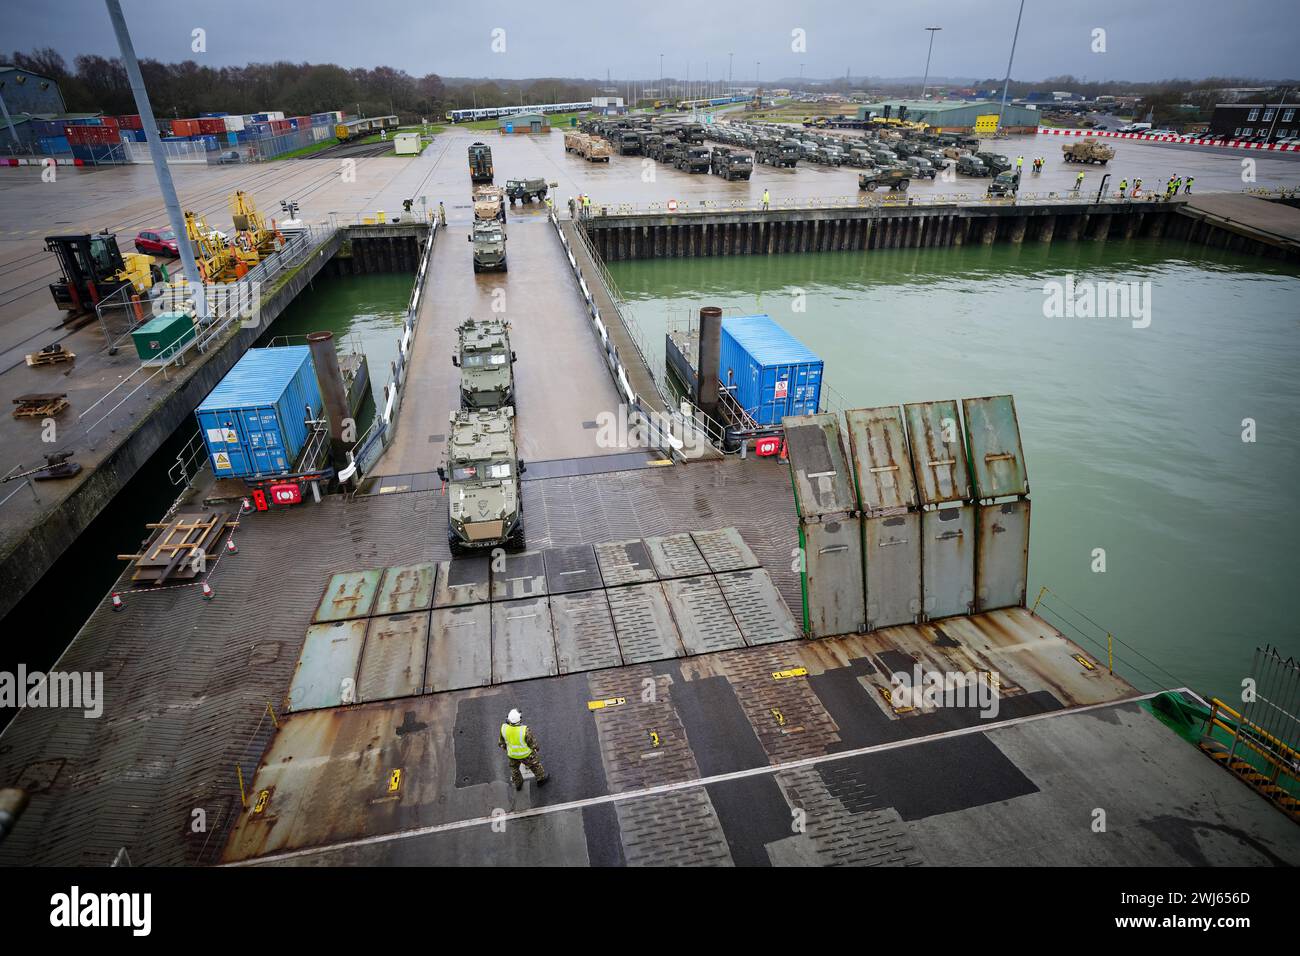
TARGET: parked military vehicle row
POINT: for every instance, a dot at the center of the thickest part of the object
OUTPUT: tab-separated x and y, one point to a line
481	467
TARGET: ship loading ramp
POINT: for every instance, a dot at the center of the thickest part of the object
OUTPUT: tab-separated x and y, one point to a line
707	769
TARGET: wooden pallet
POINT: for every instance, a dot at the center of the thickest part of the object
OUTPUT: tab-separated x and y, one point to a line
40	404
170	552
35	359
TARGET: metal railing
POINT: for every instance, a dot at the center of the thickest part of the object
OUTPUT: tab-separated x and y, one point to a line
228	305
1099	637
365	453
866	200
679	429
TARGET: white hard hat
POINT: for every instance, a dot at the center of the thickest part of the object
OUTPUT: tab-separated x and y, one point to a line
514	717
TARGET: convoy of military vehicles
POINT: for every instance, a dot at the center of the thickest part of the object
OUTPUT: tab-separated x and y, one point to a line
486	363
480	163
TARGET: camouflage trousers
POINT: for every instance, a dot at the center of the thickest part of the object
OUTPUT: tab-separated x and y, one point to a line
533	763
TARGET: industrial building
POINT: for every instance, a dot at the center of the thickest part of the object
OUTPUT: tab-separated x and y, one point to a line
524	123
28	92
953	115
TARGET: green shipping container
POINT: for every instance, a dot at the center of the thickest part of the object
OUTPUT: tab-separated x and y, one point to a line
163	336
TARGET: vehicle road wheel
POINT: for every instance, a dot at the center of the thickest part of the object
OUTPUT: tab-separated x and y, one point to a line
454	545
476	266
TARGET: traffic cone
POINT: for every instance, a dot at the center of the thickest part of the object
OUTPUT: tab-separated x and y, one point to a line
207	591
230	546
246	506
117	601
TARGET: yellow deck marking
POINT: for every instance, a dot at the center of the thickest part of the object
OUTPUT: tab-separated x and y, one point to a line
889	699
1084	661
607	702
263	799
790	672
654	738
395	781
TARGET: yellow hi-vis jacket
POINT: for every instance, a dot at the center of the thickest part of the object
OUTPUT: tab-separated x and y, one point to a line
516	744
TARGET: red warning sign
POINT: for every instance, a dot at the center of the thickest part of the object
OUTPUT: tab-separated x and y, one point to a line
766	447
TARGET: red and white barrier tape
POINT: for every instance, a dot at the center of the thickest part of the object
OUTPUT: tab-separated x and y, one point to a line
1190	140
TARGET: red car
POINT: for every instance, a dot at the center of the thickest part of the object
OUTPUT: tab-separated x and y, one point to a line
161	242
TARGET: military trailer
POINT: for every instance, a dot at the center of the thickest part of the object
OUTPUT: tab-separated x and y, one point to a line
525	190
1088	151
486	364
480	163
484	506
597	150
489	239
893	178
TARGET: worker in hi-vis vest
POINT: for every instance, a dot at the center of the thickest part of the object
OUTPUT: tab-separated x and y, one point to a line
518	743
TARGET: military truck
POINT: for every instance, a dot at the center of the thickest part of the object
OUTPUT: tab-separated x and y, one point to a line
692	133
860	158
672	152
480	163
525	190
778	153
486	364
1005	183
489	239
484	507
598	150
1088	151
573	141
996	162
921	167
627	142
695	159
895	178
733	165
969	165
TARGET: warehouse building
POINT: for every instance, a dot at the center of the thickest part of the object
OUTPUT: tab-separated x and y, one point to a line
28	92
958	116
524	123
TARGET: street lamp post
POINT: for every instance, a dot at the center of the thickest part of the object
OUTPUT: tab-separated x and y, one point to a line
1007	82
932	31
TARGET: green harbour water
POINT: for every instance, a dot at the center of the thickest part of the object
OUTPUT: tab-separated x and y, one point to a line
1133	436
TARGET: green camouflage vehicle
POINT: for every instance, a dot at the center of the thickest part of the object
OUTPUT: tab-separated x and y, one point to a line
893	178
486	364
489	239
525	190
484	506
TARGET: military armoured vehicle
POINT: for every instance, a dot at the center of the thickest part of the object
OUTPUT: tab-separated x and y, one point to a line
672	152
1005	183
525	190
480	163
778	153
489	203
1088	151
489	240
894	178
996	162
484	507
969	165
860	158
732	164
486	364
693	133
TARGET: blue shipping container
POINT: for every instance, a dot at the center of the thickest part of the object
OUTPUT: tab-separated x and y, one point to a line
254	421
770	373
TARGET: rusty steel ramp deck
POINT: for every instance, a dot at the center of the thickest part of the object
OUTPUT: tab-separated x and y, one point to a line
784	754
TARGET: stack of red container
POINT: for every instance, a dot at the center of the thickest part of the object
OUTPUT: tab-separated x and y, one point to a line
130	122
185	127
215	126
91	135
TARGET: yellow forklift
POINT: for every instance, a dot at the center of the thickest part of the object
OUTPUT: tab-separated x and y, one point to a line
93	269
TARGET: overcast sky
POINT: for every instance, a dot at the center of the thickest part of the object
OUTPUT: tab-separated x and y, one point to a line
1144	40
